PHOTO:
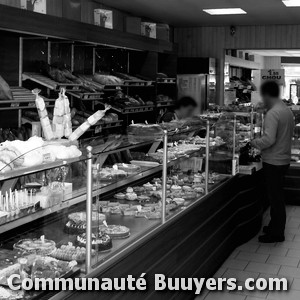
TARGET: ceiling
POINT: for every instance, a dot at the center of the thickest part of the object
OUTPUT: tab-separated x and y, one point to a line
281	53
188	13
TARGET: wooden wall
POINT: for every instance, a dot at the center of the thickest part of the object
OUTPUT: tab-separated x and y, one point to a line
212	41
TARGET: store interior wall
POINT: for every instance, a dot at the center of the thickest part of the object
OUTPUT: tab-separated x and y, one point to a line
212	42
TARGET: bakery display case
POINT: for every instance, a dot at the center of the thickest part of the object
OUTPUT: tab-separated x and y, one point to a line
85	210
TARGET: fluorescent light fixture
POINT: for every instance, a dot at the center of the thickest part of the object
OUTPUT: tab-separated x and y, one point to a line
291	3
225	11
293	51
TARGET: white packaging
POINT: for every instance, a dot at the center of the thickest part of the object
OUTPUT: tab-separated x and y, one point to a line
38	6
148	29
103	18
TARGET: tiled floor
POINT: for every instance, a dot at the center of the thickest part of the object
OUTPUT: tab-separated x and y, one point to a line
255	260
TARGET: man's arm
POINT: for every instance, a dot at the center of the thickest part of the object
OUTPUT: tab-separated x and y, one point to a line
270	131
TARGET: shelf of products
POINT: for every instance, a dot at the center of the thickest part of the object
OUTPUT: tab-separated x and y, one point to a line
48	82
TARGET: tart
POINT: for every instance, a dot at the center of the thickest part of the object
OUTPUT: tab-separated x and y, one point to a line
179	201
148	186
120	196
129	212
115	210
131	196
199	190
115	231
70	252
101	243
143	198
176	188
39	246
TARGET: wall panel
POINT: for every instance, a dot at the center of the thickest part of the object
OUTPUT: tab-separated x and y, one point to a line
212	41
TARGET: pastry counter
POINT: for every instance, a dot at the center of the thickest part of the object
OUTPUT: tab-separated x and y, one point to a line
133	188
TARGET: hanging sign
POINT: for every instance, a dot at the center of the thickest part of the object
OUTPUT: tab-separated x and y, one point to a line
273	74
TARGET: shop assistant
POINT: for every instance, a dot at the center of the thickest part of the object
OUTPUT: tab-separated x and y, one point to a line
184	108
275	146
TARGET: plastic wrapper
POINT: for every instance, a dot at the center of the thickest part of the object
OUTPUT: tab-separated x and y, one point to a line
42	111
92	120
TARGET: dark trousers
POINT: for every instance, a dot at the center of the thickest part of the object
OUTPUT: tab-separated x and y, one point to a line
274	183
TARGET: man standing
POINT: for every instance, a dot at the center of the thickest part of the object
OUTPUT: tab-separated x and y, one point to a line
275	146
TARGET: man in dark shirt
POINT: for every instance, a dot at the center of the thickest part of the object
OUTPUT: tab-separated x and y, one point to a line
275	146
184	108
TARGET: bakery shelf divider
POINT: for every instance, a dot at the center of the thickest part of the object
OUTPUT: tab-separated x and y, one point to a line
47	82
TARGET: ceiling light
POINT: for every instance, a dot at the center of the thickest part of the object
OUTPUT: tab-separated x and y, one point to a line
291	3
225	11
293	51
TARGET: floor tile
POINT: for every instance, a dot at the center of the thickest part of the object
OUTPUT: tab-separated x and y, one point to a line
256	294
248	247
220	273
262	268
297	238
296	284
289	272
240	275
235	264
224	296
284	295
284	261
254	257
293	224
252	298
293	253
289	245
281	251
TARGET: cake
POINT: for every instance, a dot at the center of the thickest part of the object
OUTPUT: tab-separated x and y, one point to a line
77	222
39	246
115	231
128	168
101	243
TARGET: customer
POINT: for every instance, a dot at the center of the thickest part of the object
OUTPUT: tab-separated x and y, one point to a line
184	108
275	145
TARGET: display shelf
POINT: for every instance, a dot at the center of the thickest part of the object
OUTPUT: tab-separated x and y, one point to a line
137	83
22	95
42	167
131	109
47	82
165	104
86	95
42	213
105	126
166	80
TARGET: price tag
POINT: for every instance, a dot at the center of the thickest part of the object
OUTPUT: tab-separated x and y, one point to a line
139	208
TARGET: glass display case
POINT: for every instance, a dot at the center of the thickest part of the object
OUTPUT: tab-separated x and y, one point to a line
80	212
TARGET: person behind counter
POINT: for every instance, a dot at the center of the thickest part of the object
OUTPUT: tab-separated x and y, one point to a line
275	146
184	108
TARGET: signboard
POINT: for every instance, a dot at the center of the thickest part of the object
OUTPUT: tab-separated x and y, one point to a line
273	74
